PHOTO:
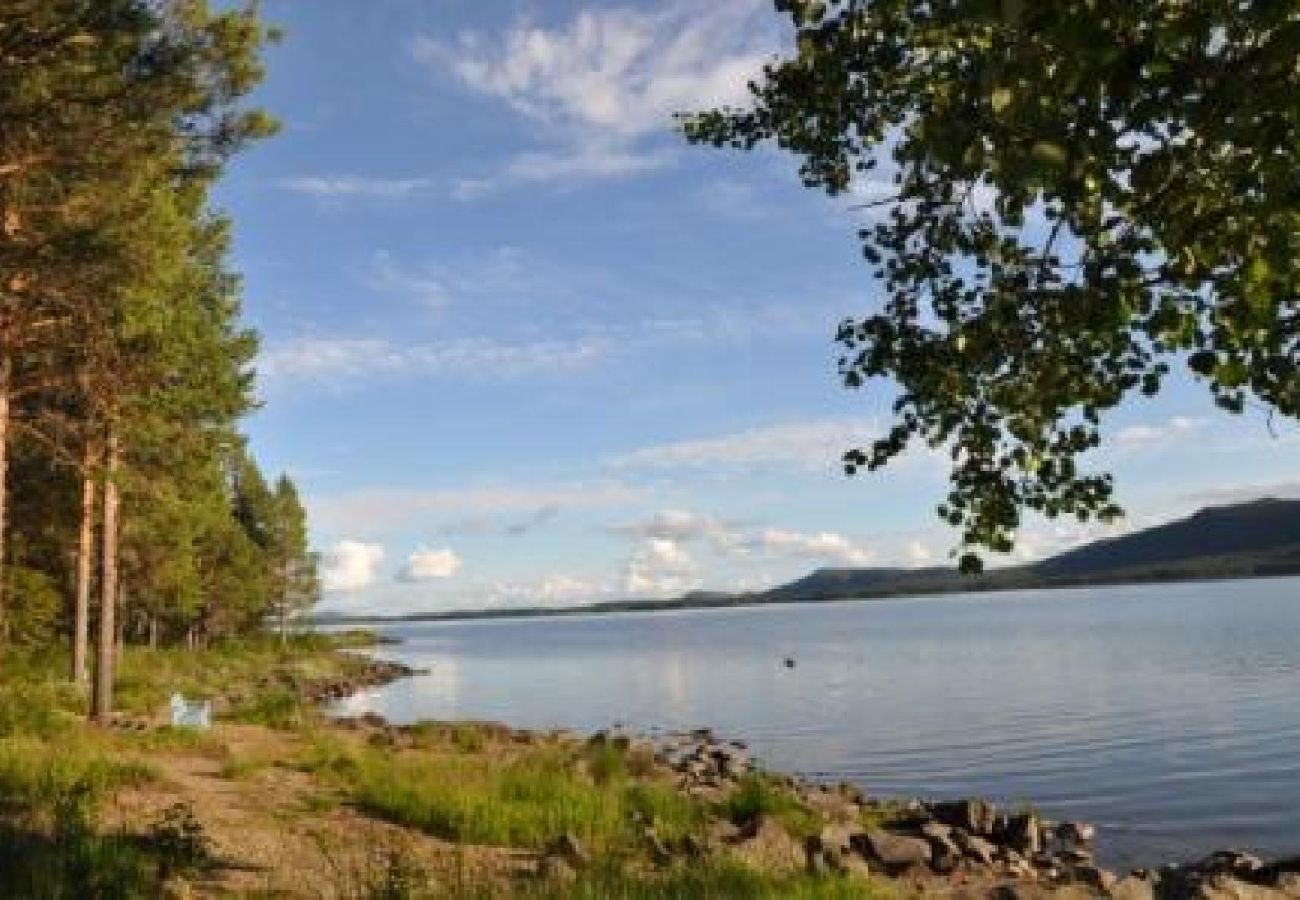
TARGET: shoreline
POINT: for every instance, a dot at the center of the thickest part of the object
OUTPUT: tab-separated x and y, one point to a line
934	846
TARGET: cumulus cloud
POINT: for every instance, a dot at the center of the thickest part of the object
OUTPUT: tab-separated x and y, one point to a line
660	567
351	565
607	82
430	565
825	546
663	534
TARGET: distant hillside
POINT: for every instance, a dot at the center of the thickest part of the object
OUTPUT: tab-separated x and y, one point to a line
1259	538
1263	526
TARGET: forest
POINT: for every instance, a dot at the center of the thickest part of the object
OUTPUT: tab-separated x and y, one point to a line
131	509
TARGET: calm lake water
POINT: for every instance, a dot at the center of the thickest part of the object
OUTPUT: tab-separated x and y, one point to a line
1168	715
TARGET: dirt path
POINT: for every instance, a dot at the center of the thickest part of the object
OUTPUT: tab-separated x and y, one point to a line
275	831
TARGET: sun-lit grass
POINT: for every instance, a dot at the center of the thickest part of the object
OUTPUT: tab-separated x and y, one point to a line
511	796
762	795
710	881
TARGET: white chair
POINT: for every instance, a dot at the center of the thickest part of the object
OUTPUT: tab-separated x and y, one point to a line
191	715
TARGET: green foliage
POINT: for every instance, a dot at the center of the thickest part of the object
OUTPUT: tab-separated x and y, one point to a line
1068	201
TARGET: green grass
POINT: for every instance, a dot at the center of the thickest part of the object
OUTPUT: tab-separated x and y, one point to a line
715	881
515	796
761	795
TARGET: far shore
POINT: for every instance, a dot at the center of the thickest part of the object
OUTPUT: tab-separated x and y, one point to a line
979	586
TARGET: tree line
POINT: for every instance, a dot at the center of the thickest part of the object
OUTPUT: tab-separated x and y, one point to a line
129	503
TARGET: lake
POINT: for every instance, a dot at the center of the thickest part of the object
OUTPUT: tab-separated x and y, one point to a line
1168	715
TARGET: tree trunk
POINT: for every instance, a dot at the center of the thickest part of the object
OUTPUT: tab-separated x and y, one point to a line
6	373
85	561
153	632
107	650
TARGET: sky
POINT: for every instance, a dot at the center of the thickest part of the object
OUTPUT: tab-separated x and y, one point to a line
522	345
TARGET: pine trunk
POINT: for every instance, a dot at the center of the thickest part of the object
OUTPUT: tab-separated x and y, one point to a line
6	373
107	649
85	562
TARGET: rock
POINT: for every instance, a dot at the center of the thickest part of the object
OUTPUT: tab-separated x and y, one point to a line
895	852
1075	856
1095	877
945	855
1076	832
1235	862
815	856
1133	887
1288	883
1009	892
570	849
1023	833
839	837
974	848
975	816
1227	887
766	846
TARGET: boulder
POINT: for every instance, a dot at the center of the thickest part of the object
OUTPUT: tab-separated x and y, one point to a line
1023	834
975	816
974	848
1076	832
896	852
766	846
839	837
1133	887
945	855
1095	877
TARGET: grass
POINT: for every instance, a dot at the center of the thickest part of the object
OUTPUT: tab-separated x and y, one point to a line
57	771
761	795
507	795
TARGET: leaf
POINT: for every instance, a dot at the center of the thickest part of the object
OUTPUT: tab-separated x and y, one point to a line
1000	99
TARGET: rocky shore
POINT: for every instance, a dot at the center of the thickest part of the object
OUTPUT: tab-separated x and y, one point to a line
970	846
373	673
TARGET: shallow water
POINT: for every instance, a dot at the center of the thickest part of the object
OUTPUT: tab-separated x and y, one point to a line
1168	715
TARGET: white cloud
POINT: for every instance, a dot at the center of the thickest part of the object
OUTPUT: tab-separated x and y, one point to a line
826	546
340	187
341	360
606	83
378	509
660	567
430	565
662	535
351	565
813	444
582	164
1148	437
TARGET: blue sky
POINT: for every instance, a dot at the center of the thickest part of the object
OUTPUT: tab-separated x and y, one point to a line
524	346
